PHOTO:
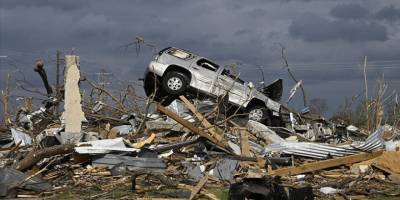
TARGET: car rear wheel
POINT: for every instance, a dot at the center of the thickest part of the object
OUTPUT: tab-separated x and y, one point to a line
259	114
175	83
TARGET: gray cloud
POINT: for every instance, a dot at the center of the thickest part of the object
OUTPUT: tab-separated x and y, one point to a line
349	11
313	28
390	13
225	31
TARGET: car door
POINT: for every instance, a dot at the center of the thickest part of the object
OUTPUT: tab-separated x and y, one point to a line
238	91
206	74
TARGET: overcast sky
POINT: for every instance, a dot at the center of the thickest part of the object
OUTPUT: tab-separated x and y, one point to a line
325	40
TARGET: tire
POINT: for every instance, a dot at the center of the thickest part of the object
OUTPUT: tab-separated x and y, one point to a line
259	114
175	83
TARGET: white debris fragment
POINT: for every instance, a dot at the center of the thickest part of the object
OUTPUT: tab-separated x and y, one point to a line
103	146
352	128
328	190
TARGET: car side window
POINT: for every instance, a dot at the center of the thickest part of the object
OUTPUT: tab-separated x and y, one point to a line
207	65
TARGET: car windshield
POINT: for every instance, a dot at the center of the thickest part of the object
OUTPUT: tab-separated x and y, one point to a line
180	53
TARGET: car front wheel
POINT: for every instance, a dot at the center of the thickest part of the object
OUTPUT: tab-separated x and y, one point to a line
175	83
259	114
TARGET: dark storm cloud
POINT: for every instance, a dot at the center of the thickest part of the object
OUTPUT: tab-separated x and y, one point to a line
258	12
349	11
225	31
62	5
313	28
390	13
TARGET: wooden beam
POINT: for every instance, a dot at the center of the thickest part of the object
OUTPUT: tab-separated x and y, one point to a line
237	126
210	128
314	166
190	126
198	187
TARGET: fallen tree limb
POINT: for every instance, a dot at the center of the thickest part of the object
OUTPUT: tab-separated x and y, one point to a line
35	156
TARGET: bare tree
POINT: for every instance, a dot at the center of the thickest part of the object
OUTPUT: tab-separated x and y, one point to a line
318	106
285	62
5	96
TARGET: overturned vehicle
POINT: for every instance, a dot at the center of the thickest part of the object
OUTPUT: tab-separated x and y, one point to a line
175	72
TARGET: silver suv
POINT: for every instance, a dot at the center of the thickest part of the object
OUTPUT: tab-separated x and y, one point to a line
178	72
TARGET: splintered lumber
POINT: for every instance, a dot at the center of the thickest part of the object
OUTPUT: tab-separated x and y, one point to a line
210	128
198	187
149	140
190	126
35	156
314	166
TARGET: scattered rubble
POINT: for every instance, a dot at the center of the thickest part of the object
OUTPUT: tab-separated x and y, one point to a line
189	148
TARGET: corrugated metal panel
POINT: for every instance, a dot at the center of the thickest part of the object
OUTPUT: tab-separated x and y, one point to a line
320	150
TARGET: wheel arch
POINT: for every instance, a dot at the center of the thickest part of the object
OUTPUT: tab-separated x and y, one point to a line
255	102
180	69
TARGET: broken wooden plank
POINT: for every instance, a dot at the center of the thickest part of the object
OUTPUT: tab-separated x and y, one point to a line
314	166
203	192
190	126
389	160
198	187
209	194
210	128
149	140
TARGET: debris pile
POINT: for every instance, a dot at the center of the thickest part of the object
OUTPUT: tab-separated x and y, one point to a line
186	150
